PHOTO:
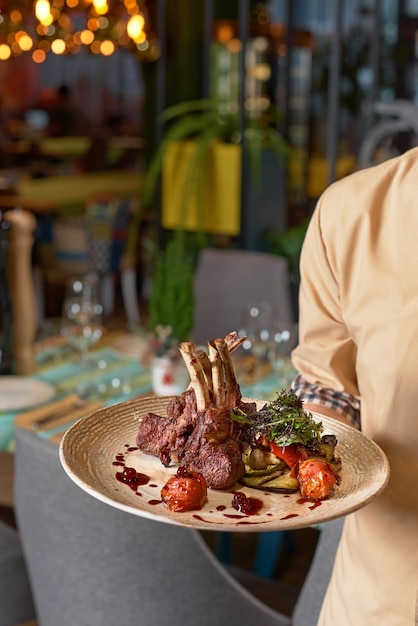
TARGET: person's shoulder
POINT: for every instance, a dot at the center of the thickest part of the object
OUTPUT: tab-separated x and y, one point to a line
363	187
387	170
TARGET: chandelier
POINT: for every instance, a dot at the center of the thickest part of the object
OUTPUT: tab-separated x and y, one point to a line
69	26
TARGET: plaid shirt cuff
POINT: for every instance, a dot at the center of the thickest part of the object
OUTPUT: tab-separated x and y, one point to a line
345	404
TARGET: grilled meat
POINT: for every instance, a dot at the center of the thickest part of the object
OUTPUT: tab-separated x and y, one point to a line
198	431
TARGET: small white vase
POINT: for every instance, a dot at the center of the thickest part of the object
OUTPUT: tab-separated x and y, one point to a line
169	376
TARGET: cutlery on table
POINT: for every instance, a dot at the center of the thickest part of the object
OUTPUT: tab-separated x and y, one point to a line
62	412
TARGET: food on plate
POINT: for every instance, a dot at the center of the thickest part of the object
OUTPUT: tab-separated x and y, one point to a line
210	430
186	491
286	450
316	478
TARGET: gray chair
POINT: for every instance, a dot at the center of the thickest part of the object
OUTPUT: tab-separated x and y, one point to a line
93	565
16	603
226	280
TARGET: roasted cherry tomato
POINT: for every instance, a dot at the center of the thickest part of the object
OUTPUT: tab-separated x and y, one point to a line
316	479
289	454
186	491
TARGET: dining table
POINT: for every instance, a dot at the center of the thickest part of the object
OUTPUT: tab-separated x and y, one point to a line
117	373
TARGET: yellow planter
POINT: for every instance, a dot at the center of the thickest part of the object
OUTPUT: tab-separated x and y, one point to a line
218	208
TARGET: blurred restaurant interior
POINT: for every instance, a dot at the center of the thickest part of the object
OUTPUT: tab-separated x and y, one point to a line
136	135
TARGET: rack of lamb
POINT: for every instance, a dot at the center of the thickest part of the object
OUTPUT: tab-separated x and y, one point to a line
198	432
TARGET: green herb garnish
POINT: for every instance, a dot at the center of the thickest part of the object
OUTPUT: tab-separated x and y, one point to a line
282	421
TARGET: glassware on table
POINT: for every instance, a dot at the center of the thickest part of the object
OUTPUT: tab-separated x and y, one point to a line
81	321
257	326
284	339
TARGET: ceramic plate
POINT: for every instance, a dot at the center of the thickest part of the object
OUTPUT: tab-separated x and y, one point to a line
130	346
93	450
20	392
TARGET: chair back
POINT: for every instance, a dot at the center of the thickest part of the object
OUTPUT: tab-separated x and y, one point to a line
91	564
308	606
226	280
16	603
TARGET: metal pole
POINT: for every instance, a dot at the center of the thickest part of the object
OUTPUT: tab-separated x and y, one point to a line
161	68
208	17
244	6
160	100
375	50
334	91
288	63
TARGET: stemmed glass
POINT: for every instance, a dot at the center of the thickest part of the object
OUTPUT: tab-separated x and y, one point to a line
257	325
283	339
81	320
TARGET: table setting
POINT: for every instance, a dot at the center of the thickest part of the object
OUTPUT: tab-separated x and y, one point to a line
51	388
120	370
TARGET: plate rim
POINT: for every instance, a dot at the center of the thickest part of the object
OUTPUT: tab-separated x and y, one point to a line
179	520
48	387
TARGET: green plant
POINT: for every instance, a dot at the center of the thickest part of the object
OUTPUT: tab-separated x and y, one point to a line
171	303
203	121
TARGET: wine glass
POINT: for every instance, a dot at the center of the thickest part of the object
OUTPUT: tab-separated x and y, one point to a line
81	320
284	338
257	324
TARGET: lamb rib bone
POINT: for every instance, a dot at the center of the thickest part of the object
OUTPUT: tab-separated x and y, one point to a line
197	375
212	376
207	369
233	341
218	378
232	395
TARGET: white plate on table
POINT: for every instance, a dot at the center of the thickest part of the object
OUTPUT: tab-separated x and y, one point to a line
21	392
92	451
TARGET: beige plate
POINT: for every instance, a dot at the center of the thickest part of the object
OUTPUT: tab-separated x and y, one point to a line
90	449
21	392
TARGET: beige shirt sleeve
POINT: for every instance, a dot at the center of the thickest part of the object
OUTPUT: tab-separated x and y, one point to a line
326	354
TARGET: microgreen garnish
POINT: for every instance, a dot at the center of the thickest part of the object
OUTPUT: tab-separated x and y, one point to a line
282	421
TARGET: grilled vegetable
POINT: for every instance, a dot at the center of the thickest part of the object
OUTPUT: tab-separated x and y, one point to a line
283	431
280	481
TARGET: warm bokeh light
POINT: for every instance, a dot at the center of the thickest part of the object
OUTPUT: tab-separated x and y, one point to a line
15	16
25	43
95	47
135	27
86	37
224	33
100	6
5	52
67	26
38	56
43	12
107	48
58	46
